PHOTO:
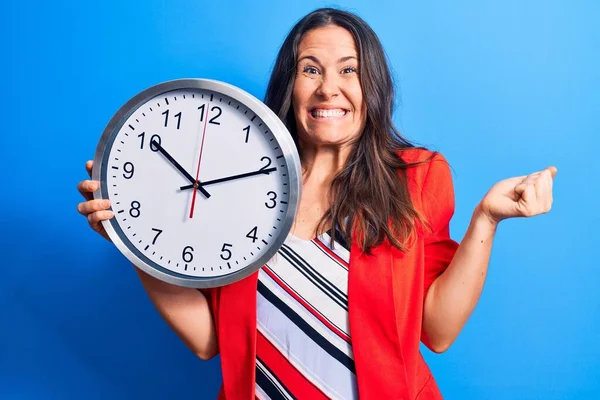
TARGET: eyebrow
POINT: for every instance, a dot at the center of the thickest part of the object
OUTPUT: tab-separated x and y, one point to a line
341	60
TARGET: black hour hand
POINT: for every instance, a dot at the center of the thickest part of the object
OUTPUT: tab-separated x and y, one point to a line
189	177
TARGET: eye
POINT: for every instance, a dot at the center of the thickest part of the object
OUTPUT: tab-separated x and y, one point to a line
348	70
310	70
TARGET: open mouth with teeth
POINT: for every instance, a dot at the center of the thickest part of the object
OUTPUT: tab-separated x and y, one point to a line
319	113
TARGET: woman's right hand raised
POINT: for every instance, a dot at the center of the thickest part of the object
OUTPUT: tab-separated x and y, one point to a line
95	211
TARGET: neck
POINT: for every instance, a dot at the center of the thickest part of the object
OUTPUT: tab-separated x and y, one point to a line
320	163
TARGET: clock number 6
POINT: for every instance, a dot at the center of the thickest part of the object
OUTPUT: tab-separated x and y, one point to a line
272	198
225	250
187	254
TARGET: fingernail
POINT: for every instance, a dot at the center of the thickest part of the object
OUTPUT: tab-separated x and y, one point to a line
106	203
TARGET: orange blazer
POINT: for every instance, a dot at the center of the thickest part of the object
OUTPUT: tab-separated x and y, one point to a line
386	292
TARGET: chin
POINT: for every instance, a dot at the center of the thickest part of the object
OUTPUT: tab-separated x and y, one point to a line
327	139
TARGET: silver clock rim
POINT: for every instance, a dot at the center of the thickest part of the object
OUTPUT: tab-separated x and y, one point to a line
274	124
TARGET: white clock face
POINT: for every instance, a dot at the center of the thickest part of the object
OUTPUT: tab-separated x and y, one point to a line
241	208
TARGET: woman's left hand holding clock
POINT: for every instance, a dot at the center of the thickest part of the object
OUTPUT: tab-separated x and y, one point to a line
95	211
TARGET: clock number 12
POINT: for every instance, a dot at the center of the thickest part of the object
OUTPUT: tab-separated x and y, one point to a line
213	120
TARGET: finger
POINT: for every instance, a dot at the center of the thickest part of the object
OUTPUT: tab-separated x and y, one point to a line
91	206
543	189
87	188
528	200
520	188
97	217
553	170
532	177
88	166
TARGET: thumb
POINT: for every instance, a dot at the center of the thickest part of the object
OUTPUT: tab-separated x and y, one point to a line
88	166
553	170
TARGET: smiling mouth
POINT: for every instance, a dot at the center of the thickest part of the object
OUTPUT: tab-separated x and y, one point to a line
329	113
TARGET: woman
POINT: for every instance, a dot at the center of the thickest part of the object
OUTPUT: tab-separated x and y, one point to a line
369	269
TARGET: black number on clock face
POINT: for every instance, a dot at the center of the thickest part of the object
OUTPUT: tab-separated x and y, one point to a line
128	168
225	252
201	108
213	120
187	255
134	211
272	198
152	139
178	116
247	130
268	162
252	234
159	231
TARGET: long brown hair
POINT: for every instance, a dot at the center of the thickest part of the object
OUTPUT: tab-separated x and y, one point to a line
369	196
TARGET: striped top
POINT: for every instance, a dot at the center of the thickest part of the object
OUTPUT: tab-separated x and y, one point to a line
303	346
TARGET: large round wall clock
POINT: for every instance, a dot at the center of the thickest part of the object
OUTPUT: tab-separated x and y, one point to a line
204	181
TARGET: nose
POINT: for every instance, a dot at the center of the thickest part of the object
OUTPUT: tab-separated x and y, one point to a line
329	86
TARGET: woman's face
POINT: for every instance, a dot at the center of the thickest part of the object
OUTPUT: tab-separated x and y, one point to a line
327	96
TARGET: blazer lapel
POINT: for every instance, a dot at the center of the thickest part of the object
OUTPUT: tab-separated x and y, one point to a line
237	336
377	352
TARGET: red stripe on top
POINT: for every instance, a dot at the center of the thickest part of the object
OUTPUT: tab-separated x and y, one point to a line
331	253
306	305
291	378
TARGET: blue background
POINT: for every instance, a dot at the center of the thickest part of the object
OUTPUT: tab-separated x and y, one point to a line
500	88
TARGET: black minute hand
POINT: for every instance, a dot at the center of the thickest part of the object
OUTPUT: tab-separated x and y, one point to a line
180	168
232	177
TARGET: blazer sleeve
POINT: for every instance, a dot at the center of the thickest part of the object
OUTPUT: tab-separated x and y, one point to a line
437	198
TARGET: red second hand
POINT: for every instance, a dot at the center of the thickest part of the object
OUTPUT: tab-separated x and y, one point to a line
198	169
